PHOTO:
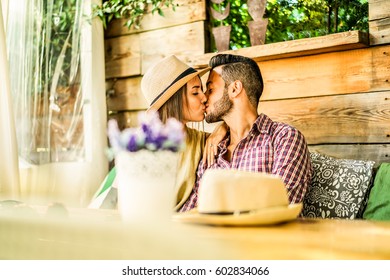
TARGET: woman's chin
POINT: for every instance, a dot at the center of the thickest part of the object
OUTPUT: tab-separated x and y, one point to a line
200	118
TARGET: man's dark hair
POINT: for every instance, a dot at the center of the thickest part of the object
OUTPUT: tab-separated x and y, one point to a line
244	69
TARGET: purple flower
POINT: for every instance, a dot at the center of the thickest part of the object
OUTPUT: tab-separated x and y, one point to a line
114	135
132	143
152	135
174	135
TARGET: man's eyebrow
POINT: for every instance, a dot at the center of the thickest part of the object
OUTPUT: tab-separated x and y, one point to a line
195	86
209	82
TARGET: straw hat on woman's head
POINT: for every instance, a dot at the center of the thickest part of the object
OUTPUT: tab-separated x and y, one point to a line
165	78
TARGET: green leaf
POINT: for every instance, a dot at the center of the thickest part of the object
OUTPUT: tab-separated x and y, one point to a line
131	10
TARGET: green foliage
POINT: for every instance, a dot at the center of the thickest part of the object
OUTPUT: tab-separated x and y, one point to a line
56	45
239	18
290	20
295	19
354	16
131	10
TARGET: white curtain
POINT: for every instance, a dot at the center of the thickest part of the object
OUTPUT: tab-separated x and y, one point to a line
4	6
56	55
9	172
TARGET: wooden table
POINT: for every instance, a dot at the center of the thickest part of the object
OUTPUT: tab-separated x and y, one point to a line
304	239
98	234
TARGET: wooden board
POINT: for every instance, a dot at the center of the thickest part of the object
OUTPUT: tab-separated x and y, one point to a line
330	43
375	152
363	70
184	41
378	9
125	118
123	56
125	94
350	119
333	73
132	55
187	11
380	31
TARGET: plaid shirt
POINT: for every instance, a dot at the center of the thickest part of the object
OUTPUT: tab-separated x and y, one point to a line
269	147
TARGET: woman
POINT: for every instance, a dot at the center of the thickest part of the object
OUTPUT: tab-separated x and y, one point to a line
174	89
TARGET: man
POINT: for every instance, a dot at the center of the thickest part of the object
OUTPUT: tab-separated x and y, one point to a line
254	142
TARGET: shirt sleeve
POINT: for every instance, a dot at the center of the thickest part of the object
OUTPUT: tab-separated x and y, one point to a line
192	201
292	162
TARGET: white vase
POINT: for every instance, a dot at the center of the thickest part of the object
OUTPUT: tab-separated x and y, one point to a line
146	183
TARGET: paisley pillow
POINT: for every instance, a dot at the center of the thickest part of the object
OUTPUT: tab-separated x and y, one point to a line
339	187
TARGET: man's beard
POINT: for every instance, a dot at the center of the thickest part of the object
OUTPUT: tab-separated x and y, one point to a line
221	108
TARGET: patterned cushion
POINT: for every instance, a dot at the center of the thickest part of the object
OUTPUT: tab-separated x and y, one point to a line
339	187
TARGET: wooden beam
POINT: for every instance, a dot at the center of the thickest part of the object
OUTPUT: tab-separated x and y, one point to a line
185	12
380	31
333	73
354	71
374	152
378	9
379	21
302	47
351	118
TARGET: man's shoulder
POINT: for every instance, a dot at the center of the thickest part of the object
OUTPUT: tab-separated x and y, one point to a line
280	129
271	126
284	128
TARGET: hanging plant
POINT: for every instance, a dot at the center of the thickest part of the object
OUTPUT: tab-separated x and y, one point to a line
130	10
258	26
222	12
256	9
221	33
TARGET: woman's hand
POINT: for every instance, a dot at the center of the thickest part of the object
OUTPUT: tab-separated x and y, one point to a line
212	141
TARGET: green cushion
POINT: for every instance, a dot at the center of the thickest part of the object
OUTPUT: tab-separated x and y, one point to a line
378	206
107	183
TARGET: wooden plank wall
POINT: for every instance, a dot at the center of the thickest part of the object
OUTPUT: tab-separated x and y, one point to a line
339	100
129	53
337	92
345	115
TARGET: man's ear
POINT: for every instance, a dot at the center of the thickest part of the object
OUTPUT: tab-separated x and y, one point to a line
236	88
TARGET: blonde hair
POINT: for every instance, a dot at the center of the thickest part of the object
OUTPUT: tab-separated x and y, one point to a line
173	107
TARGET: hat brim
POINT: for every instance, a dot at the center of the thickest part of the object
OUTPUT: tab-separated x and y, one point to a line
174	88
268	216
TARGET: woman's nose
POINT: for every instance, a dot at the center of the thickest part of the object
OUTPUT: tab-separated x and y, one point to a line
204	98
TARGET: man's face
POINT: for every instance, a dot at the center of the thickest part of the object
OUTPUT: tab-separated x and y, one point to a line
218	104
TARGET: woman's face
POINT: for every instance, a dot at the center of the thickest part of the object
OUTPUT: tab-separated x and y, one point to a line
194	101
